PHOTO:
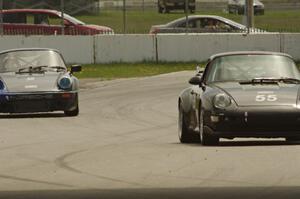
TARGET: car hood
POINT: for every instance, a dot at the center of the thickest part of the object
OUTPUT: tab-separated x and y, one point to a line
261	94
36	82
96	27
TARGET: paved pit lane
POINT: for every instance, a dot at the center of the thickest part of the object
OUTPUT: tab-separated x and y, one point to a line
124	144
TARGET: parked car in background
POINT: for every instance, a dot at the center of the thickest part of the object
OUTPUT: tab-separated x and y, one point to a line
164	6
238	7
37	80
242	94
199	24
46	22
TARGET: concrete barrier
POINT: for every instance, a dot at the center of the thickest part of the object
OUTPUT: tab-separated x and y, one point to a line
169	48
200	47
124	48
290	44
76	49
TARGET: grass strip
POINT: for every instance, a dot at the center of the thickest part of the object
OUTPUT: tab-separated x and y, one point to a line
122	70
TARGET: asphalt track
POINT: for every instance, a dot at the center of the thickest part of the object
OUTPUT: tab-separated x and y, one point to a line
124	144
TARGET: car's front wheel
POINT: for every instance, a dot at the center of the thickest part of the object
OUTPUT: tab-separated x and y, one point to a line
205	137
184	134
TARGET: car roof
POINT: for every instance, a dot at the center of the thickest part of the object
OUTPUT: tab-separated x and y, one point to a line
209	16
32	11
29	49
249	53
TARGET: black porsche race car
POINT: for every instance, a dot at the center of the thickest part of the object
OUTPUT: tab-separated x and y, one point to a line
242	94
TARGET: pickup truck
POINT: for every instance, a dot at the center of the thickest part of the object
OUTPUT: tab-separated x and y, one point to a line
164	6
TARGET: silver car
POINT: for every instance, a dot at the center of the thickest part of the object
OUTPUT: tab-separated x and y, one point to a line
199	24
37	80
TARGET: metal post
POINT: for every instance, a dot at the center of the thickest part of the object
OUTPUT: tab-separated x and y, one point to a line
124	16
186	16
143	5
1	17
250	14
62	7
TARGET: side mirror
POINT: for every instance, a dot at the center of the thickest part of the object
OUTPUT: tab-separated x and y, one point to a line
75	68
199	71
196	80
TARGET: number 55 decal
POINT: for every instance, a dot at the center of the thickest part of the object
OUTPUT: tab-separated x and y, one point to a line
269	98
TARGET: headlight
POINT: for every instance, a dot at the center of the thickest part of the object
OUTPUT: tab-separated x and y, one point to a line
221	100
65	83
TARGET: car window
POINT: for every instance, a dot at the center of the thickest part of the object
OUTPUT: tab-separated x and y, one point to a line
14	18
209	23
54	20
223	26
41	18
13	61
26	18
192	23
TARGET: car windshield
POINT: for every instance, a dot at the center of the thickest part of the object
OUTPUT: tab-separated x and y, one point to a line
249	67
15	61
72	19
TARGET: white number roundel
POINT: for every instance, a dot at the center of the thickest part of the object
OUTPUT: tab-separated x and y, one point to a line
269	98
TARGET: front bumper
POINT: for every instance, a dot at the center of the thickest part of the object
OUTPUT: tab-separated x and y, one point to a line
255	122
37	102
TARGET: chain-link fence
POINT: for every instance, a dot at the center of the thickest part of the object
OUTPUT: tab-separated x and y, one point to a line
140	16
201	5
70	6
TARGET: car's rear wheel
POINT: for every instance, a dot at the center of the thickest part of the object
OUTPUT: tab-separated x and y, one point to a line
184	134
205	136
73	113
160	9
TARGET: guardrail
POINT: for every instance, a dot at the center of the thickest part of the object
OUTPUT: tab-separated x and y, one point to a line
155	48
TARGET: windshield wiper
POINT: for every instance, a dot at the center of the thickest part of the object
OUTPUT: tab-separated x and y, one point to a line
271	80
289	80
58	68
32	69
268	80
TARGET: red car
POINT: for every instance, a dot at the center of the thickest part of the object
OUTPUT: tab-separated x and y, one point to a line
46	22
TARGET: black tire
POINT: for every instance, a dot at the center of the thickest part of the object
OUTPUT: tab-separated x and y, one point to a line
184	134
206	138
160	9
72	113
